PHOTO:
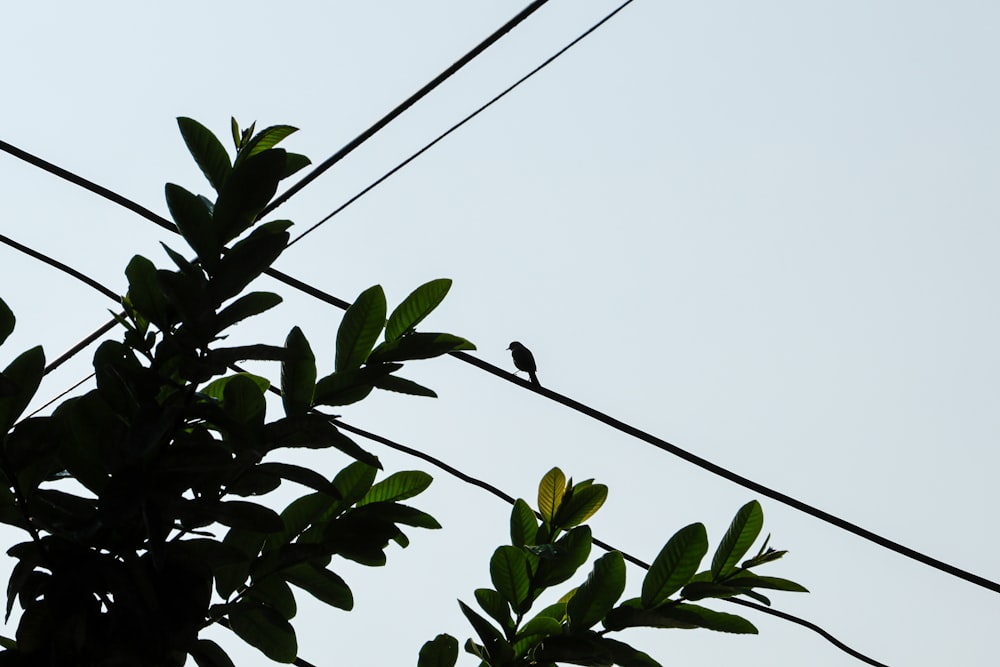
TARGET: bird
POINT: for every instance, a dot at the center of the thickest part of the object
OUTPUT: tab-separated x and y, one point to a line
524	360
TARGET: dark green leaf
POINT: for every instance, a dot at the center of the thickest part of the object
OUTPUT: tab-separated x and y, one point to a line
496	607
264	629
248	516
398	486
207	151
418	346
322	584
595	598
298	374
403	386
243	400
246	306
523	524
187	268
265	139
295	163
246	192
249	258
24	374
496	647
305	476
416	307
276	594
7	321
698	590
360	328
627	656
145	293
245	542
442	651
510	576
354	481
742	533
676	563
571	551
352	385
316	432
684	616
217	388
207	653
194	221
749	580
229	355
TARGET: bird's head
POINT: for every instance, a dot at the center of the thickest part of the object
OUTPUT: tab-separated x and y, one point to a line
514	346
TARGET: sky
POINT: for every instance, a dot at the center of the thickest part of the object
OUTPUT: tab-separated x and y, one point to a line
766	232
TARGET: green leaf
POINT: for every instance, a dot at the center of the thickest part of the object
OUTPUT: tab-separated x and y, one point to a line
360	328
354	481
683	616
304	476
145	293
267	138
510	576
550	494
248	259
315	432
496	607
523	524
595	598
7	321
750	580
398	486
264	629
248	516
627	656
699	590
194	221
416	307
742	533
207	151
247	543
674	566
246	192
276	594
571	551
322	584
403	386
442	651
24	374
298	374
582	505
496	647
243	400
207	653
418	346
217	388
349	386
246	306
295	163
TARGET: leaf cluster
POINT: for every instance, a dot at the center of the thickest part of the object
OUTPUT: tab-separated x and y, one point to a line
141	498
548	547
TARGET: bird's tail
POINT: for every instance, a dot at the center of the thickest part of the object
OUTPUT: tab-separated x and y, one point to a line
534	378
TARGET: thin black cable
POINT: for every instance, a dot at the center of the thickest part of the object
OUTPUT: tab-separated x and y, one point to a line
469	479
406	104
459	124
653	440
59	265
58	396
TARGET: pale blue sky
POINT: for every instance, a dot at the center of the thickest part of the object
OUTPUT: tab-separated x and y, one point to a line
766	232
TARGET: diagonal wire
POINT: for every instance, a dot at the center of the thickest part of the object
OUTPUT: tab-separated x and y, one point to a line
462	122
660	443
406	104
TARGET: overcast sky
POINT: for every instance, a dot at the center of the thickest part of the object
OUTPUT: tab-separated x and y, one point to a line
764	231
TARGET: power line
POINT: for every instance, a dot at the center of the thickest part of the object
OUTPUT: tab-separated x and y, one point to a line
462	122
714	468
406	104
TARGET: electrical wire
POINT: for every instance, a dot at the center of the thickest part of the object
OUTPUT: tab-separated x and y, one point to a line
460	123
704	464
406	104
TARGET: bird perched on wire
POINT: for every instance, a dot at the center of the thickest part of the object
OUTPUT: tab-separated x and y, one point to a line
524	361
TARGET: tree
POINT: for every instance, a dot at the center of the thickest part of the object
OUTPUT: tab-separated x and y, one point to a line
135	497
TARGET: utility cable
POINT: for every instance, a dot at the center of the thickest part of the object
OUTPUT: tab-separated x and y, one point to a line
460	123
716	469
406	104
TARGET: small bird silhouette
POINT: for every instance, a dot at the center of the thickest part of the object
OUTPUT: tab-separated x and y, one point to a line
524	361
